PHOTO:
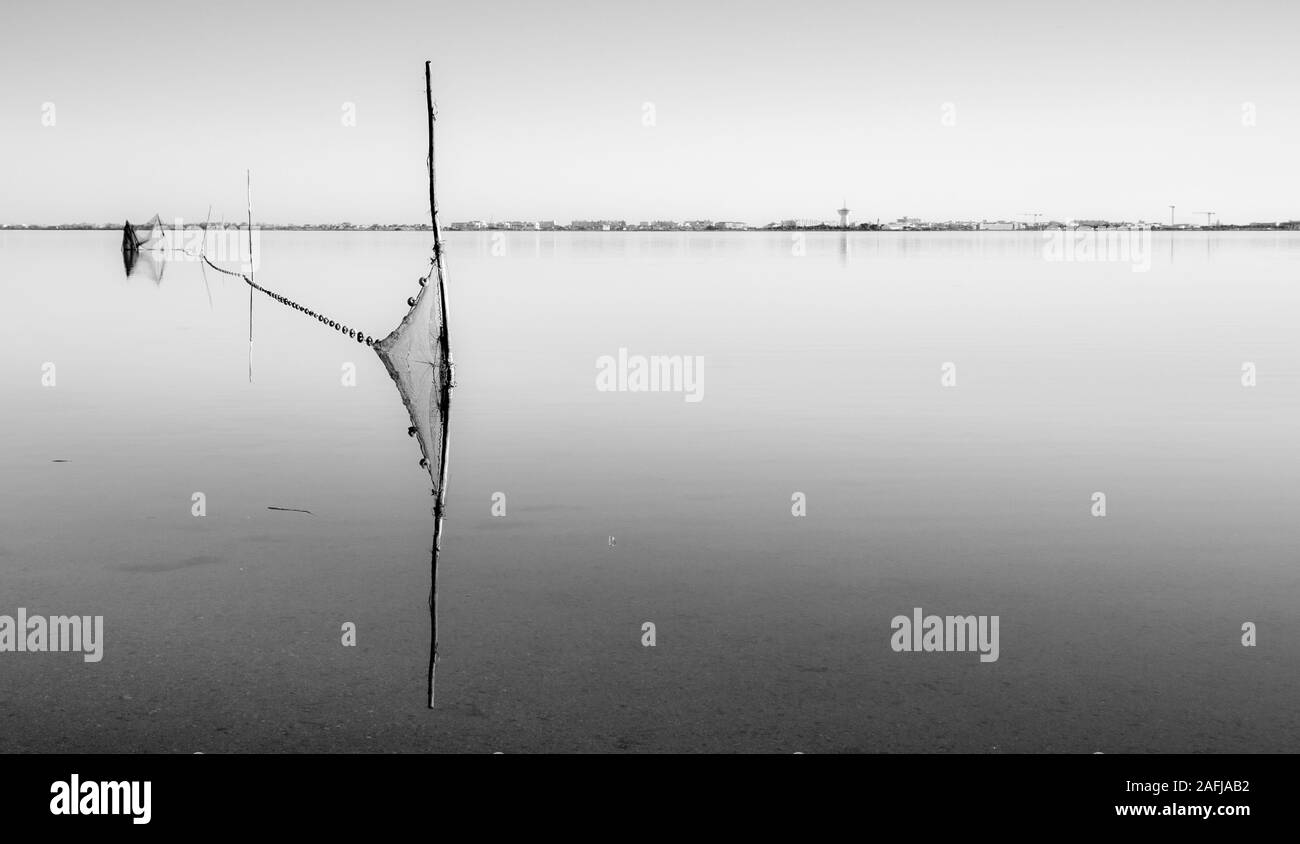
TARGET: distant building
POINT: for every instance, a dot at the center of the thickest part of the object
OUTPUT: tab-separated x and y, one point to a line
999	226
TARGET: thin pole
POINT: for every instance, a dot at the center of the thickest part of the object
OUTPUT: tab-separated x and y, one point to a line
203	247
433	199
248	187
433	613
445	399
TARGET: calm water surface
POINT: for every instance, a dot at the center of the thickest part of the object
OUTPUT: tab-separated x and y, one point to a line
822	375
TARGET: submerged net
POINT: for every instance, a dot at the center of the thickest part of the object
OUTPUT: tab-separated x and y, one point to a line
142	249
417	356
413	355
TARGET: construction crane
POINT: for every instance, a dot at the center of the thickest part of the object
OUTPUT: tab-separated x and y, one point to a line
1034	214
1208	215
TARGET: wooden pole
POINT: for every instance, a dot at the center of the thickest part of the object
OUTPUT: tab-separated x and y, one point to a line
433	199
446	373
248	187
437	507
433	614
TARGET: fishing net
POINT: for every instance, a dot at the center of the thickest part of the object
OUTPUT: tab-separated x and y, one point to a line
418	358
413	355
142	249
149	235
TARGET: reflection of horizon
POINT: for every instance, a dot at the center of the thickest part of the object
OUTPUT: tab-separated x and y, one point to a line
1211	242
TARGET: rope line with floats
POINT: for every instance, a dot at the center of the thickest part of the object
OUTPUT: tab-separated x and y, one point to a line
351	333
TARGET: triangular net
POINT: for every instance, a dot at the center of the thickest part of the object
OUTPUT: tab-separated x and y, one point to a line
412	353
144	243
149	235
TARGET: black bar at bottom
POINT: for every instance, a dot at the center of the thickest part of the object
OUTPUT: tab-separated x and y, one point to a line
324	793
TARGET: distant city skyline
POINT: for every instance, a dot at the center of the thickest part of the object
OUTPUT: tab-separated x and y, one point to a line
1039	221
675	110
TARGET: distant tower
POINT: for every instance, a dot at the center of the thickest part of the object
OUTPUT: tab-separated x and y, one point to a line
1171	216
844	217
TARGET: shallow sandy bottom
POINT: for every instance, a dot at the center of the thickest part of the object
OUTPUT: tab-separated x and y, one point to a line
542	653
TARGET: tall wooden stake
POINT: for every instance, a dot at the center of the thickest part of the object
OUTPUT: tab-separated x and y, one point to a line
445	398
248	187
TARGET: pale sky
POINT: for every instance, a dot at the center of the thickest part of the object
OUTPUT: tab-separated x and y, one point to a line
762	110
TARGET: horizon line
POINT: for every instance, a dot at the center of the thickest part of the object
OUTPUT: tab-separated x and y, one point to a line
700	224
